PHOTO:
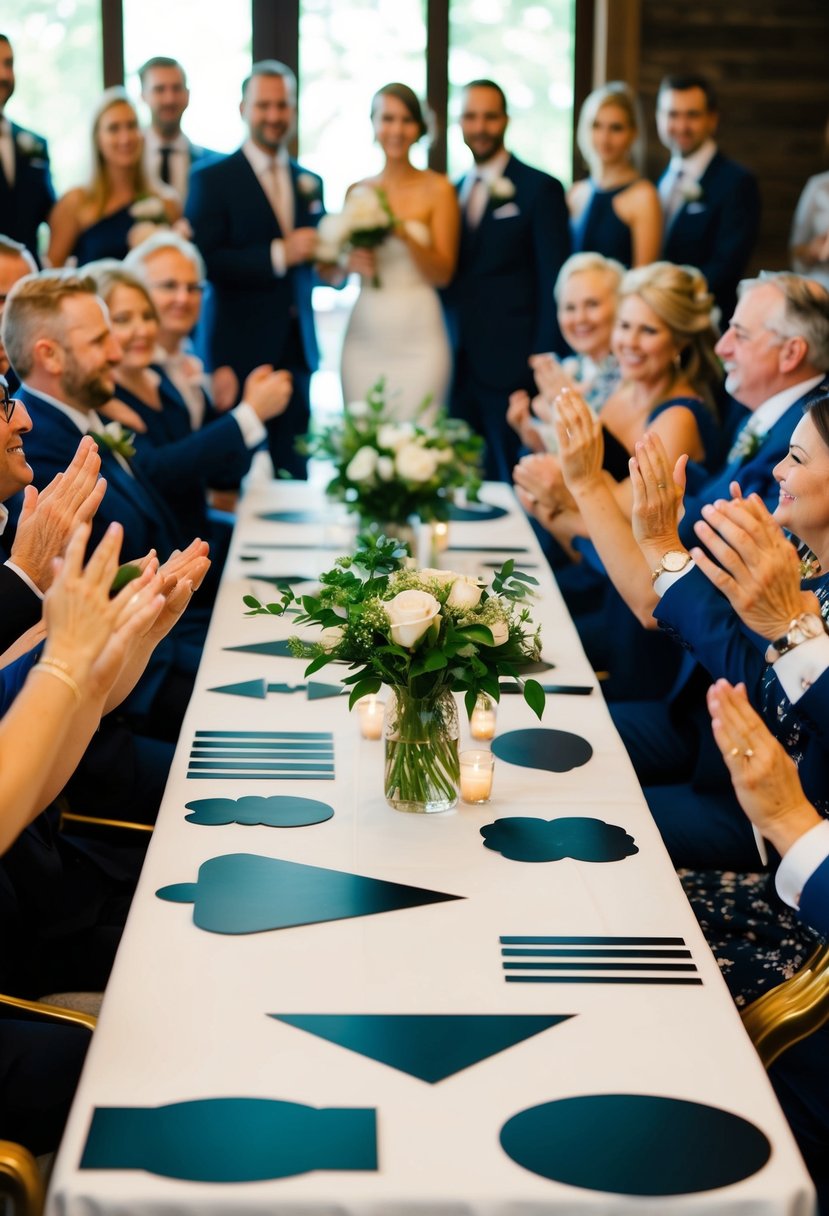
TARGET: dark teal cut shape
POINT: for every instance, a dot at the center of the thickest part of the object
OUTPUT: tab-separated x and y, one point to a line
231	1139
278	649
521	838
293	517
429	1046
534	667
635	1144
246	893
276	811
557	751
472	511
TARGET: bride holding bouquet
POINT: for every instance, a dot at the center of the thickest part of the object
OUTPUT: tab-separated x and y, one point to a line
396	330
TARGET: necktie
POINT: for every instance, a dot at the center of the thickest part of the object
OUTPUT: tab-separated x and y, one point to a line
476	202
676	196
164	169
276	188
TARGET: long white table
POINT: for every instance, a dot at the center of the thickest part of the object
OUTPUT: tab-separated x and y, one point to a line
186	1013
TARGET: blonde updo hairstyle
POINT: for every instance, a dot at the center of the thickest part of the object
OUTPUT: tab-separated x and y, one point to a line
680	297
614	93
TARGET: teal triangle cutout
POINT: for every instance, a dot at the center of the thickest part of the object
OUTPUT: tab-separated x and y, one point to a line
246	893
429	1046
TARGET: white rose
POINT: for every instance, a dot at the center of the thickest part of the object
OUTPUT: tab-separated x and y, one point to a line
393	437
415	463
443	455
364	211
331	637
362	465
500	632
385	468
332	233
357	409
410	614
465	593
441	576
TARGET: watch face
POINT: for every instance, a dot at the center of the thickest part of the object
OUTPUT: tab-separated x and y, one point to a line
809	625
675	560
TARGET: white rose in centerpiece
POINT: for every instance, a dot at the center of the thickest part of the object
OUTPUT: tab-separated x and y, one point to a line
393	436
357	409
410	614
362	465
440	576
385	468
465	593
500	632
415	463
331	637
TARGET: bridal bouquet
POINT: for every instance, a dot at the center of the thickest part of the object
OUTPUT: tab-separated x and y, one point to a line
425	634
364	223
388	471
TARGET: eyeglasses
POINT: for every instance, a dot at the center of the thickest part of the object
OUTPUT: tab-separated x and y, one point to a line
7	403
170	286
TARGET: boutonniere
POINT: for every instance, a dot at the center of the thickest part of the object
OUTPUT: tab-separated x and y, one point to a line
809	563
30	145
746	445
117	438
308	186
691	192
501	190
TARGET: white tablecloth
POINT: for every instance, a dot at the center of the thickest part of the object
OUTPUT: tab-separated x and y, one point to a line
185	1015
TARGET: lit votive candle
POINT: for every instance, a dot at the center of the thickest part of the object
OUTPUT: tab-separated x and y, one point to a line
476	776
440	536
482	719
371	712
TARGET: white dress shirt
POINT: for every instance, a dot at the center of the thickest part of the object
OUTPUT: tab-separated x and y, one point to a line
179	160
690	167
479	180
264	165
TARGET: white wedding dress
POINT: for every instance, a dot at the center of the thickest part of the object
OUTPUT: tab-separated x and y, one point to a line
396	331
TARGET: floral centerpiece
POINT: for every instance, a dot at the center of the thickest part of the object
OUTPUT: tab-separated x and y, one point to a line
424	634
364	223
388	471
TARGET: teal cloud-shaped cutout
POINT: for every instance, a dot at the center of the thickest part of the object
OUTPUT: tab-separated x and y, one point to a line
520	838
276	811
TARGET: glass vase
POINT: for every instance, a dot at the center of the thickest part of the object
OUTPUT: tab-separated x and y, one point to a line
422	770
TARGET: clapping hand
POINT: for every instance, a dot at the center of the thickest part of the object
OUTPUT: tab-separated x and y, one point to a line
765	778
268	392
224	388
658	491
539	484
300	246
48	519
520	419
758	570
550	376
580	441
181	575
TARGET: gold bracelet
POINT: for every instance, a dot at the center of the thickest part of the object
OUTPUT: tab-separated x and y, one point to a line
50	661
50	668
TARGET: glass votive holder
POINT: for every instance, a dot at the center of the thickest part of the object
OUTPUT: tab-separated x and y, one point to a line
483	717
440	535
476	776
371	710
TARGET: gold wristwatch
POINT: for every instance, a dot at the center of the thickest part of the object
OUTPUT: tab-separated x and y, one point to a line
801	629
671	563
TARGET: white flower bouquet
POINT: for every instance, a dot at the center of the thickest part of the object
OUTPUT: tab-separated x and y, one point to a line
388	471
364	223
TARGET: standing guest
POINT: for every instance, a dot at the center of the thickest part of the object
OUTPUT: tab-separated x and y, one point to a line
168	154
397	329
615	211
514	239
711	204
15	262
117	207
26	191
587	295
809	240
254	215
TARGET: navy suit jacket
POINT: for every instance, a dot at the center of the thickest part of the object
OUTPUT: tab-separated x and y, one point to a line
500	306
695	612
20	608
27	204
718	231
248	312
814	901
147	522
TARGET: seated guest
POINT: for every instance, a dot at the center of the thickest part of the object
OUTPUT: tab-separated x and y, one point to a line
809	239
663	339
180	461
117	207
757	941
15	263
615	211
586	293
59	341
94	647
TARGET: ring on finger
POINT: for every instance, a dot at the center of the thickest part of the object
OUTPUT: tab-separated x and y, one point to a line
748	753
661	485
735	751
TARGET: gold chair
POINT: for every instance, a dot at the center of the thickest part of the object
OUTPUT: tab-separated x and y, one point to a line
20	1180
791	1011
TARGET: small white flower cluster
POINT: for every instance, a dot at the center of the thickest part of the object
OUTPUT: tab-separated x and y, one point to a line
501	190
30	144
308	186
691	191
363	212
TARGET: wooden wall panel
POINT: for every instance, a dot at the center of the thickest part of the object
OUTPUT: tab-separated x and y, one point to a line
768	60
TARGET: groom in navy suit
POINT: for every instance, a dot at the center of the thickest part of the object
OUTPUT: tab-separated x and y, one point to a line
500	307
26	191
254	216
711	204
